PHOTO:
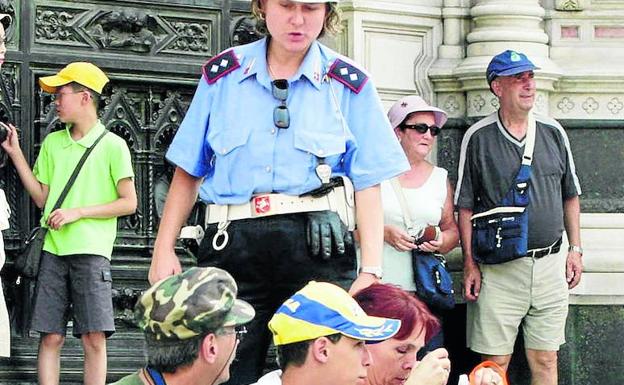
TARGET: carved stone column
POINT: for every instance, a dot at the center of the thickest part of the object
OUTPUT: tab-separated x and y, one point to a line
396	41
499	25
449	94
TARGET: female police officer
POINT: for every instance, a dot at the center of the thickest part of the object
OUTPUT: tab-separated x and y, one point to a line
269	122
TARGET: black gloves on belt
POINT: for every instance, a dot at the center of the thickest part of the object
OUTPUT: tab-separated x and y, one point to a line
325	231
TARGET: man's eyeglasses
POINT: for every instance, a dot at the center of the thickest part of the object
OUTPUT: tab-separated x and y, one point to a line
239	331
422	128
281	116
59	95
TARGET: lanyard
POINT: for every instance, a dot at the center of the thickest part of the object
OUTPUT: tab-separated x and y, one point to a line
156	377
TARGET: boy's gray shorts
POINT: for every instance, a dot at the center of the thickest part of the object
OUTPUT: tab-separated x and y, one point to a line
79	285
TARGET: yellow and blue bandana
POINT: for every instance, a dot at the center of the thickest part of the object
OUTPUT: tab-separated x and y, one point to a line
322	309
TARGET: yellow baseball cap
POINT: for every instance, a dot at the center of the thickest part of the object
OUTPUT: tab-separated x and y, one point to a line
83	73
322	309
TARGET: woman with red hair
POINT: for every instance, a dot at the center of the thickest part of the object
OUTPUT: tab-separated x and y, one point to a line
394	359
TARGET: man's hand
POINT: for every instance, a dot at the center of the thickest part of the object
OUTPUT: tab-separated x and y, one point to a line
362	281
326	231
398	238
60	217
472	281
434	369
574	268
164	264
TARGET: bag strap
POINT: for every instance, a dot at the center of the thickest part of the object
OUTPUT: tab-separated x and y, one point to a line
74	174
156	377
529	145
398	191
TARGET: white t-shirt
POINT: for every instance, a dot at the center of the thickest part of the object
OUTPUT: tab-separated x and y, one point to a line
425	204
271	378
5	335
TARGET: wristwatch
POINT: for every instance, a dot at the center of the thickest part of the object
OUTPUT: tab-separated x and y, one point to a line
576	248
377	271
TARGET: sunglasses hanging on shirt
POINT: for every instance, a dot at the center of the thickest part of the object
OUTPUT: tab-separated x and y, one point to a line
281	116
422	128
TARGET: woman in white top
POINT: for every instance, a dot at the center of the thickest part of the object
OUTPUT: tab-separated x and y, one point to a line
426	188
428	195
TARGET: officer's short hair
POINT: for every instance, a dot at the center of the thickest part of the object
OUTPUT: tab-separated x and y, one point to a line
295	354
332	25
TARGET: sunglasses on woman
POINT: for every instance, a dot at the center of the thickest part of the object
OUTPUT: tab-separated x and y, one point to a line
422	128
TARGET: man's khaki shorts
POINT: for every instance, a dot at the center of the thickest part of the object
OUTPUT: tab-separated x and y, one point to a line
527	291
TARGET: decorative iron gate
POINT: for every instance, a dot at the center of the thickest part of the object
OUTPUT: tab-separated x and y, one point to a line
152	51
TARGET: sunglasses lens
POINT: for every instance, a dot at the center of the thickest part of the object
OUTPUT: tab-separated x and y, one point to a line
280	89
421	128
281	117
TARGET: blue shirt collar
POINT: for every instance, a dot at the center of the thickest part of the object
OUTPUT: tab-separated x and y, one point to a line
254	63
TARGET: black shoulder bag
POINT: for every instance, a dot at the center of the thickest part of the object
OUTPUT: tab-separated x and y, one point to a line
27	263
434	284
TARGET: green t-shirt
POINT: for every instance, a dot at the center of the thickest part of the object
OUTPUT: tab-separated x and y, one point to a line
96	184
132	379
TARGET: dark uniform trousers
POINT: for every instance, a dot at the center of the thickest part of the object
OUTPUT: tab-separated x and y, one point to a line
269	259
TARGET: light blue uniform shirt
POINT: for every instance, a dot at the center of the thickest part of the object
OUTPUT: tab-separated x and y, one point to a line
228	136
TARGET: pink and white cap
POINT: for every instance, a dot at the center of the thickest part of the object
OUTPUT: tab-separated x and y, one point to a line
413	103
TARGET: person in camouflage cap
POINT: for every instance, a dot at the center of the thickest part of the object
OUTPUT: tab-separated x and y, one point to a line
191	323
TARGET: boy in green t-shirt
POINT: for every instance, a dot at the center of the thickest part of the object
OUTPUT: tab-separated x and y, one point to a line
75	263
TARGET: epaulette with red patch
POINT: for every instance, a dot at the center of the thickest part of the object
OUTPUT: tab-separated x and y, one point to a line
220	65
349	75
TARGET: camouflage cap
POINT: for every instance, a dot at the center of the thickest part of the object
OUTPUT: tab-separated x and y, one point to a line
189	304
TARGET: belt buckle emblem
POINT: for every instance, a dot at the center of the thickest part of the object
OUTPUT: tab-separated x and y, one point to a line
262	204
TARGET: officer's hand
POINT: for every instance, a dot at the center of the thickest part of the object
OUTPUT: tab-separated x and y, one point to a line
326	231
472	281
398	238
434	369
362	281
164	264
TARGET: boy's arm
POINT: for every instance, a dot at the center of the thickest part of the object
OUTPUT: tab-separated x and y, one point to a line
37	190
124	205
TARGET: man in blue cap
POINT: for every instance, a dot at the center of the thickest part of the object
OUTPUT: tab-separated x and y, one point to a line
517	190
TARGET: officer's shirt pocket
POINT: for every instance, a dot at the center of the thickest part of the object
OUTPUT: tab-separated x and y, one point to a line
319	133
228	145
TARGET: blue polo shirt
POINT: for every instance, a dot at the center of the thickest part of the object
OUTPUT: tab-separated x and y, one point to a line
229	138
